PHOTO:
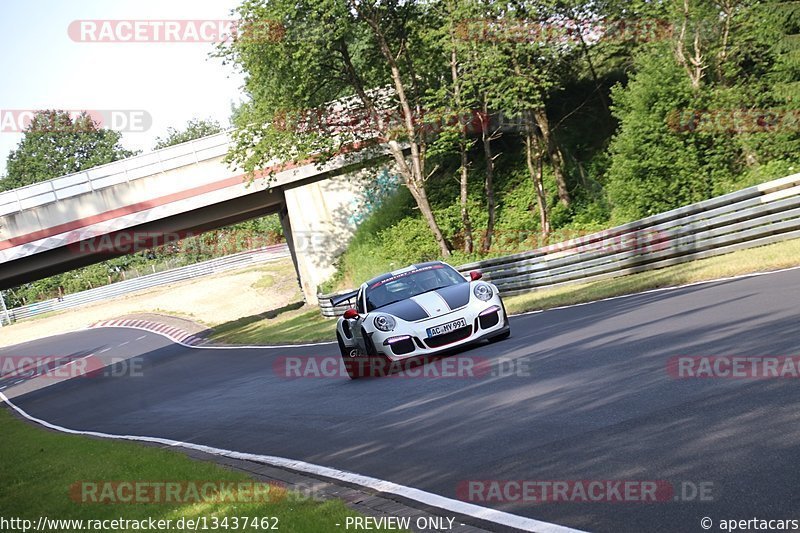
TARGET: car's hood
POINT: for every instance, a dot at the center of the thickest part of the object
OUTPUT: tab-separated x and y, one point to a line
429	304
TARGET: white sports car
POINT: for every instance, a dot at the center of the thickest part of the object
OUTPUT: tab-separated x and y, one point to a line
418	311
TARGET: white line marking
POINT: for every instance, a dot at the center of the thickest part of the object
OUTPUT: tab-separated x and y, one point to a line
142	337
104	350
375	484
124	343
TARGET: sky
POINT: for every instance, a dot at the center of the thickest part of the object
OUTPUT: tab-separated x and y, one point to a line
43	67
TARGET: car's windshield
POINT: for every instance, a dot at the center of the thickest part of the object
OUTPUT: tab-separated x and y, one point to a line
407	284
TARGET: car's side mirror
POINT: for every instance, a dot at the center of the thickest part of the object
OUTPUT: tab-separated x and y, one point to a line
350	314
475	275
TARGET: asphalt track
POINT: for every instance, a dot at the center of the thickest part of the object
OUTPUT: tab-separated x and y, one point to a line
598	404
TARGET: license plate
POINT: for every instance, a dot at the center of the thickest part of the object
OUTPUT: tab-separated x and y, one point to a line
447	328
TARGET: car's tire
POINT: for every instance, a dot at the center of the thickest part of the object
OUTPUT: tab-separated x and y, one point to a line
344	350
350	362
368	364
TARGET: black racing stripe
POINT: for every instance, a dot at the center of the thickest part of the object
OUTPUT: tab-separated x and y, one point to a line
455	295
408	310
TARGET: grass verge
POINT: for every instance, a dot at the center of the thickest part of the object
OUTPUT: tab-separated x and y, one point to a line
42	466
764	258
286	325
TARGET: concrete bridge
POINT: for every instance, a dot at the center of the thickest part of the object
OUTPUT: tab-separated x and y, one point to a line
79	219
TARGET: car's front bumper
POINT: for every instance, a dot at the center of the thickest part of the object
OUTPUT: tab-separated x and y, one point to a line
483	321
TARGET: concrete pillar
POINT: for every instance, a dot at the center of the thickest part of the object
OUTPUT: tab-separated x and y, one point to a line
286	225
323	216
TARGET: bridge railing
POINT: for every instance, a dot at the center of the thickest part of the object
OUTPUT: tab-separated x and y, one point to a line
751	217
121	171
213	266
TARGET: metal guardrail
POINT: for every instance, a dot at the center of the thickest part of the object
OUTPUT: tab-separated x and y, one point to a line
751	217
328	310
213	266
121	171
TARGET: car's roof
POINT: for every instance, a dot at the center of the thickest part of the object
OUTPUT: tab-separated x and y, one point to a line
383	277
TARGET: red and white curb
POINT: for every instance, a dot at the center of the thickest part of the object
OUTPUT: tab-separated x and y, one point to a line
171	332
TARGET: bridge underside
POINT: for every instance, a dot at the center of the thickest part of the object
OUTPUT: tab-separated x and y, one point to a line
78	254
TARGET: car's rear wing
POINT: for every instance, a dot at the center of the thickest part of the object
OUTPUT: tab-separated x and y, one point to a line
336	300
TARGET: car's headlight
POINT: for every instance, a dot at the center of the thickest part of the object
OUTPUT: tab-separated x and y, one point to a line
483	292
384	322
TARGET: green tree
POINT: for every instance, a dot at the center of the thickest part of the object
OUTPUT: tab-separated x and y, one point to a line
454	101
785	16
688	118
654	168
485	69
533	59
372	58
55	144
194	129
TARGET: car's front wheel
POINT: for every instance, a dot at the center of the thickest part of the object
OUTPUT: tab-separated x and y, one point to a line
359	364
349	358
